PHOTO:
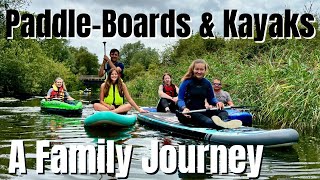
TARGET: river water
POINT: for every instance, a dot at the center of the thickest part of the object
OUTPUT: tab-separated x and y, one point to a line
22	120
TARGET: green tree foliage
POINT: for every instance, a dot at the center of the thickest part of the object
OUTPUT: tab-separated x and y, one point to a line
29	66
145	57
134	71
26	69
193	47
137	59
84	62
56	49
4	5
128	50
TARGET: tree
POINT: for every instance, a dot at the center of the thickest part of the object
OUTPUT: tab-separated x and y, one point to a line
86	63
4	5
128	50
145	57
57	49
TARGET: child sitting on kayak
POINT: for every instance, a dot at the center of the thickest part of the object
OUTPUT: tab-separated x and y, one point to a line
58	91
112	93
168	93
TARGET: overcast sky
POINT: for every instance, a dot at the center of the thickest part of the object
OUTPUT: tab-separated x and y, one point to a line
194	8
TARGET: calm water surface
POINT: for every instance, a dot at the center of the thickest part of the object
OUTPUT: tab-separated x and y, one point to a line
22	120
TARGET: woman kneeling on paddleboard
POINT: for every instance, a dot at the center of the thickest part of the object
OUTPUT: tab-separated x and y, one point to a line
112	93
193	91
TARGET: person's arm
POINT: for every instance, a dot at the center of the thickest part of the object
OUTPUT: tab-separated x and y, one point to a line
102	67
130	100
108	60
49	93
207	105
182	90
120	67
181	103
229	100
102	96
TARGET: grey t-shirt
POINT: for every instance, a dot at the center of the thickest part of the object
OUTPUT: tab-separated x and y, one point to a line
66	94
222	96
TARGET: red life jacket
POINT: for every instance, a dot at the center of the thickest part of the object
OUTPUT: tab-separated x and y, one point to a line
57	92
170	90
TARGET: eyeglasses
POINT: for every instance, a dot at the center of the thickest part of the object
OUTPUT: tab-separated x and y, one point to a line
217	84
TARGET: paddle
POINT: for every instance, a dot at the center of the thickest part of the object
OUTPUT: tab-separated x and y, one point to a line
226	107
204	110
104	47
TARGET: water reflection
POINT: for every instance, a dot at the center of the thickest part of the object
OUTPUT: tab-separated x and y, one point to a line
107	133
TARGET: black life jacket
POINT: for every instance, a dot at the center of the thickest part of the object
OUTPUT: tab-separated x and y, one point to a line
196	93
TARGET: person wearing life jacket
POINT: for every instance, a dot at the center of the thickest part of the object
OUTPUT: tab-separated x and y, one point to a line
193	91
112	94
58	90
168	93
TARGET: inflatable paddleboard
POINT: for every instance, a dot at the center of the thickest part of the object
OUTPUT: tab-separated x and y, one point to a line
168	122
108	118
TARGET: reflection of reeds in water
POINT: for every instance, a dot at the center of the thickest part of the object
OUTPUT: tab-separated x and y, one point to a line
62	128
57	122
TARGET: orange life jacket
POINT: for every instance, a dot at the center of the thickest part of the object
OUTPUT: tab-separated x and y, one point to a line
57	92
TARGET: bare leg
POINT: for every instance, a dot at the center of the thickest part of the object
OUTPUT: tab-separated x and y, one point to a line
100	107
124	108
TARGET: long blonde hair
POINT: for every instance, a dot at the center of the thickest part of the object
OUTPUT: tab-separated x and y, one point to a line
108	83
189	73
63	84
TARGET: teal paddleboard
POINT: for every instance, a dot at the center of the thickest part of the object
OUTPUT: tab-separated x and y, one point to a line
108	118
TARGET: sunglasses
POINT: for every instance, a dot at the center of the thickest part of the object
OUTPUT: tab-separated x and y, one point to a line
217	84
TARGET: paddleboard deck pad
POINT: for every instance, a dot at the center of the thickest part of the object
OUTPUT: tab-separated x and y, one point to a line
168	122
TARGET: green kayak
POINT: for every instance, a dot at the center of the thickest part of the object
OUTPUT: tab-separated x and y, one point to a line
69	108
